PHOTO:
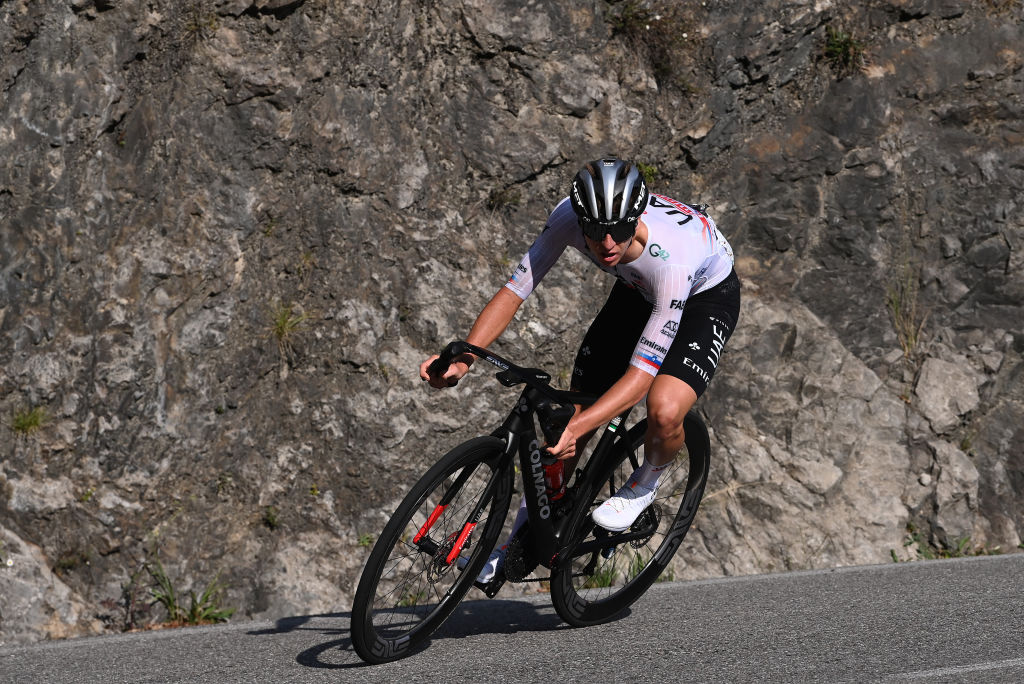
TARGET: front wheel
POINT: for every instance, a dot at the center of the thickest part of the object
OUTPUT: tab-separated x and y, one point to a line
413	580
600	573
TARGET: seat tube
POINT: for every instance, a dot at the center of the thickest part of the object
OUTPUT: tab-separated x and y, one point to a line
606	445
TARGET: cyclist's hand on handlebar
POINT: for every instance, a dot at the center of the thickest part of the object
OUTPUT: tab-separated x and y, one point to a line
566	447
450	377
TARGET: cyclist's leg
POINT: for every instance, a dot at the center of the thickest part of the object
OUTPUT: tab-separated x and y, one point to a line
668	402
706	325
599	573
604	354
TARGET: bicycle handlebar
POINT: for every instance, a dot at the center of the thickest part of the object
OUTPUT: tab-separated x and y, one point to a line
553	419
458	348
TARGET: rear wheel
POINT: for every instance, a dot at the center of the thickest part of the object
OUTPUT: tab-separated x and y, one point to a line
408	587
600	573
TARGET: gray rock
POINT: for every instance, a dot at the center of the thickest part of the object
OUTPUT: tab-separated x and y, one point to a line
37	604
946	391
230	232
956	494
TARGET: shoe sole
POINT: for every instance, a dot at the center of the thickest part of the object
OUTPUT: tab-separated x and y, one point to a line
613	529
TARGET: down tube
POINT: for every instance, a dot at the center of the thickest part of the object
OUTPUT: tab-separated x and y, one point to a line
542	531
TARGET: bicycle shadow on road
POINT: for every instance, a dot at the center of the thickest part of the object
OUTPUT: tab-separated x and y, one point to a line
324	655
470	619
500	616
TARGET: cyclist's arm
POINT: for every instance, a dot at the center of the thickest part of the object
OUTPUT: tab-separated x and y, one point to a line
495	317
559	231
670	286
627	391
491	322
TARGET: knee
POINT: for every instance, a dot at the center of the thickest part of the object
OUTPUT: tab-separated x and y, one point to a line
666	419
667	405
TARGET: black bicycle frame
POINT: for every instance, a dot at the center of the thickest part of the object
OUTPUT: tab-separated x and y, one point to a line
553	408
547	530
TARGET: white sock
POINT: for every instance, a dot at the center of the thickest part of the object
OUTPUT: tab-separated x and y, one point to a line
521	516
647	475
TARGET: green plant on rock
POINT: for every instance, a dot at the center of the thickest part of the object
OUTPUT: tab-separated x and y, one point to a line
603	578
202	610
271	517
70	561
284	326
225	484
136	608
412	599
961	547
307	264
905	311
648	171
200	23
503	198
636	565
269	227
844	53
967	443
25	421
631	19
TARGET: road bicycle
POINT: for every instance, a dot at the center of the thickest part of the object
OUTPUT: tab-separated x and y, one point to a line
439	538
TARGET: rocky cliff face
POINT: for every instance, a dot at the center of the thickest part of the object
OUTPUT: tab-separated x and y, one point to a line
230	230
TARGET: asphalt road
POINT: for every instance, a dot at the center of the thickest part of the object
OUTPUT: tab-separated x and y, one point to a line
940	621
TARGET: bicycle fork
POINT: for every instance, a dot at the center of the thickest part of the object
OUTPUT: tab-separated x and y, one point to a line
422	539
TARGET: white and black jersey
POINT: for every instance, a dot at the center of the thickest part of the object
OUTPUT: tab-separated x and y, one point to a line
685	255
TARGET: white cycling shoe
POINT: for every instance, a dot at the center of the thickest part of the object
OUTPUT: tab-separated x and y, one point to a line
495	564
620	511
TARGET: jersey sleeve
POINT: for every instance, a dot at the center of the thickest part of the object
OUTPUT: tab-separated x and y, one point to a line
671	285
544	252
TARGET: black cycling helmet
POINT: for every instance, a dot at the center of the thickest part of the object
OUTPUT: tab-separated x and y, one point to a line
608	196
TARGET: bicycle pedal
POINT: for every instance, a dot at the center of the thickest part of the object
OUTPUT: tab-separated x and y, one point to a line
491	588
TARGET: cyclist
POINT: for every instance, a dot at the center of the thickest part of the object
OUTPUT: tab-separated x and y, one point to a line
660	334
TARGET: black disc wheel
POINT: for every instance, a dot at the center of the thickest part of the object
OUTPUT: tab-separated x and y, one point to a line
412	580
600	573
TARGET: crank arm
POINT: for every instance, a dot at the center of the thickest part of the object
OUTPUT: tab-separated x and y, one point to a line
613	540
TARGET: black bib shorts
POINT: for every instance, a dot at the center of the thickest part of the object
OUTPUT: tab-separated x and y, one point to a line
708	321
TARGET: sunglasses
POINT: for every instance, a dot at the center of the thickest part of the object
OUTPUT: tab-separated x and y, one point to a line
596	230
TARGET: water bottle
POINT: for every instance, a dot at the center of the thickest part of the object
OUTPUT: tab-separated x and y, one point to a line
554	476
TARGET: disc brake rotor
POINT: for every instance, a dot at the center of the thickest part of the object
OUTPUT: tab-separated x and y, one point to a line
648	520
438	565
